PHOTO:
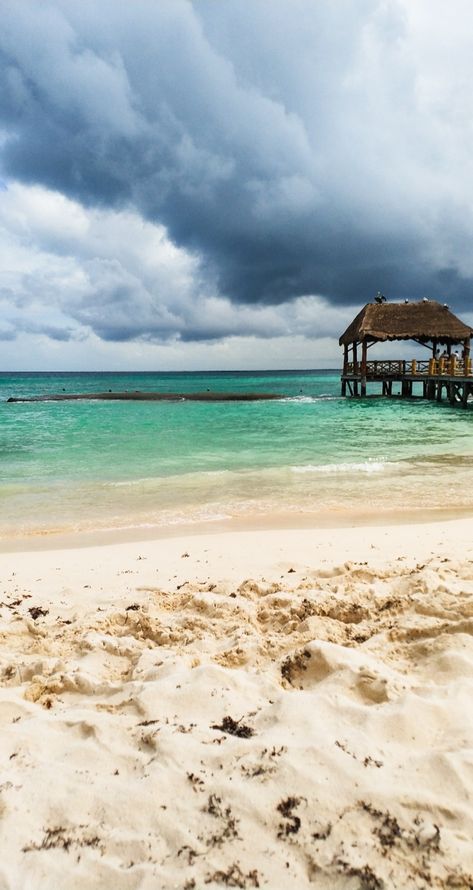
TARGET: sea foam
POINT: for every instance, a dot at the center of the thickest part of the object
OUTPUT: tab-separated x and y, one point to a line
364	467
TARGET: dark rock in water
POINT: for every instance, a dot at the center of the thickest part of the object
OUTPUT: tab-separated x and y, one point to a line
140	396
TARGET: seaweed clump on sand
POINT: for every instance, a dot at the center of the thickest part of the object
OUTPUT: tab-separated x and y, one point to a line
234	727
292	823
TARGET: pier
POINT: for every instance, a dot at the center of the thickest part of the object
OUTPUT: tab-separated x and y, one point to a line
446	374
432	379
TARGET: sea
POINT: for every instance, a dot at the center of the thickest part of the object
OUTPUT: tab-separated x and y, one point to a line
308	456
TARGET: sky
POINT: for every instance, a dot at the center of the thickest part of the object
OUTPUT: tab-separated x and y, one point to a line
223	184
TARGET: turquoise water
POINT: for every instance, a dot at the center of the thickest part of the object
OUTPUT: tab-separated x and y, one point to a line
92	464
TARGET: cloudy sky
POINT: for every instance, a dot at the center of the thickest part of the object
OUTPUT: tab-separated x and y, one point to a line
223	184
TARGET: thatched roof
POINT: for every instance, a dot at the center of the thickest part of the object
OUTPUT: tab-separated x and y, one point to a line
423	321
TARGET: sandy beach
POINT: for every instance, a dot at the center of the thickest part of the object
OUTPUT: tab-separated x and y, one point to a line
236	453
282	708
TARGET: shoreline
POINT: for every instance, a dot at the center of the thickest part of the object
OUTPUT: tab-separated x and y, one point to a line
238	552
39	540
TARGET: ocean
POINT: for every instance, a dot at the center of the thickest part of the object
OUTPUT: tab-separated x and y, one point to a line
91	465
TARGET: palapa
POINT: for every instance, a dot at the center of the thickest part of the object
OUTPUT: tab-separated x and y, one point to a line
424	321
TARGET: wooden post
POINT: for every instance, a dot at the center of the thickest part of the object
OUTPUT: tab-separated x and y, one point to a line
466	357
364	352
355	368
413	366
345	369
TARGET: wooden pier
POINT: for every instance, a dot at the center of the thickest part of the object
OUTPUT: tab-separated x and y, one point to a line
430	324
434	380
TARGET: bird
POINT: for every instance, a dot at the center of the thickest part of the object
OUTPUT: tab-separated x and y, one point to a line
406	300
425	299
380	298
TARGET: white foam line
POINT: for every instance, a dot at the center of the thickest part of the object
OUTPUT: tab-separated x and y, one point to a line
365	467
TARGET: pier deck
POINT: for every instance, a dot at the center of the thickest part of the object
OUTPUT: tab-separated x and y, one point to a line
451	379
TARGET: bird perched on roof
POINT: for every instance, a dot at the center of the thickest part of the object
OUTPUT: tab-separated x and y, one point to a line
425	299
380	298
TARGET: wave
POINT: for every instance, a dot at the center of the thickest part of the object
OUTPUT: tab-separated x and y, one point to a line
369	466
162	480
303	400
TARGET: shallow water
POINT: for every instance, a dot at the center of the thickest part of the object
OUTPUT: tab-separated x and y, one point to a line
91	464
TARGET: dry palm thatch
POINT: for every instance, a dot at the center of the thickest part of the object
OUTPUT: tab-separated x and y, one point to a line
425	320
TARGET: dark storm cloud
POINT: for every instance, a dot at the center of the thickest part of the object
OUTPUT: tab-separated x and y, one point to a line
281	142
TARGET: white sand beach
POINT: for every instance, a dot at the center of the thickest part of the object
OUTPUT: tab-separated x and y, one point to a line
283	708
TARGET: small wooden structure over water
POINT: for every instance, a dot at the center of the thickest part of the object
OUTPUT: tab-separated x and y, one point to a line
446	372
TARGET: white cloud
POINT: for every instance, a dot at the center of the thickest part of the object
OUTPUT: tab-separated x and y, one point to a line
211	173
86	275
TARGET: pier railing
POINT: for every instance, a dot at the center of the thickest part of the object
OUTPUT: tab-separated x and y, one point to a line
379	370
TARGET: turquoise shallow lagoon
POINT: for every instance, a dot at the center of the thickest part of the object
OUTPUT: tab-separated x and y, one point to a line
92	464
